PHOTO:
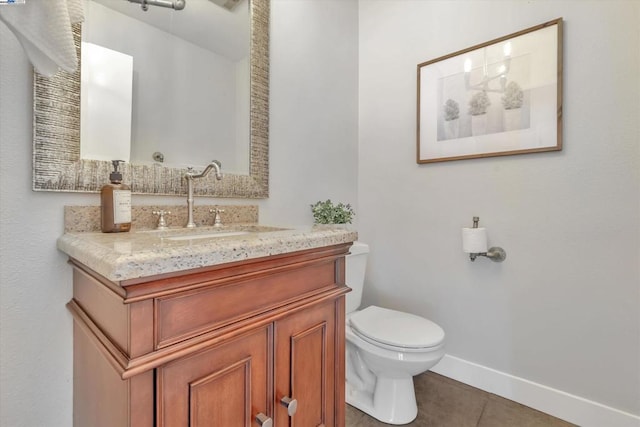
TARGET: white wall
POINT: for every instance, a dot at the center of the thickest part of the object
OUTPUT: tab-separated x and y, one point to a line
314	84
563	310
313	156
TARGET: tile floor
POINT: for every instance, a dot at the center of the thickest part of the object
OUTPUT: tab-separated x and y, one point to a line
443	402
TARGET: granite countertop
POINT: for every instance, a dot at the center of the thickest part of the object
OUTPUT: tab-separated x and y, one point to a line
123	256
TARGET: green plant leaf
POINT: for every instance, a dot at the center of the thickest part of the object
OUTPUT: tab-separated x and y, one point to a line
328	213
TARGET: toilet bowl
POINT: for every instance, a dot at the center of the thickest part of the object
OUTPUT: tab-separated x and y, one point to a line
384	350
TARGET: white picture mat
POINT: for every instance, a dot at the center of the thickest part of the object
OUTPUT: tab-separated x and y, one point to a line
541	49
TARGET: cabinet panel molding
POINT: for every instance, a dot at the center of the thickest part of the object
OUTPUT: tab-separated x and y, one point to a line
306	360
219	386
259	331
190	313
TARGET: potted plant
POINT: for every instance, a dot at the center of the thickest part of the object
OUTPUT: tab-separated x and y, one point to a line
328	213
478	109
451	116
512	100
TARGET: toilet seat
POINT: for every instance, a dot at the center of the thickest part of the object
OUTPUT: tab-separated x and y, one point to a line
396	330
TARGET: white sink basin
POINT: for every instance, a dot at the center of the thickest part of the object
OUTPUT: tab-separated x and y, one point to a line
212	235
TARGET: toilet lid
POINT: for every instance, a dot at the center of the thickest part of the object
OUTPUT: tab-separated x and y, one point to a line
396	328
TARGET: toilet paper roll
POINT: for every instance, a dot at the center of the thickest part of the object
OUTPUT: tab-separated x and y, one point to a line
474	240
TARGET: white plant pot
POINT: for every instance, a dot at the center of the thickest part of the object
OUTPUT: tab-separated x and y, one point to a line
479	124
512	119
451	128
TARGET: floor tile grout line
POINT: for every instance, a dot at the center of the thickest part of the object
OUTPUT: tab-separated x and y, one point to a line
486	402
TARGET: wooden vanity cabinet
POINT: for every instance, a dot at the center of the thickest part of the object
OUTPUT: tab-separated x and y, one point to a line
218	346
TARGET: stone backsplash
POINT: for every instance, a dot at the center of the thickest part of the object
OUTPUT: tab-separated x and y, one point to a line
87	218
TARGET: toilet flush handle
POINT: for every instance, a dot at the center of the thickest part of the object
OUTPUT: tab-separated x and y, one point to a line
290	404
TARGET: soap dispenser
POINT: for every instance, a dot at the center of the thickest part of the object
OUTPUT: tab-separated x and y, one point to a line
115	201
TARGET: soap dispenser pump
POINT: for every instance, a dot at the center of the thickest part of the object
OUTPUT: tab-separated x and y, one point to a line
115	201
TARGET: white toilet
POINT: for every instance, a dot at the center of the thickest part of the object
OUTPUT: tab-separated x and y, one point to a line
385	349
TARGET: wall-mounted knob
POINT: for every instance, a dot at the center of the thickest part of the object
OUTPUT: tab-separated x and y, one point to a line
290	404
263	420
158	157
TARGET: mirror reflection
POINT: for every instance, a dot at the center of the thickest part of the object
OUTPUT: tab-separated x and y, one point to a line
155	82
58	164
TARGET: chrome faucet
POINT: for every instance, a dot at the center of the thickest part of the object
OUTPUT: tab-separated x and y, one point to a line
190	176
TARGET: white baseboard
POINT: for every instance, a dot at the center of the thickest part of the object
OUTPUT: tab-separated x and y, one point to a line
568	407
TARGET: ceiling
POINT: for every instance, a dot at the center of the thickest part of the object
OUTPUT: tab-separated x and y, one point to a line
202	22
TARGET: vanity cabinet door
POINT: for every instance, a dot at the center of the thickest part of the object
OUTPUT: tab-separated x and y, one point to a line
305	367
224	385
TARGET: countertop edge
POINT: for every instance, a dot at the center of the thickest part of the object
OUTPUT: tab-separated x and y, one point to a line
125	256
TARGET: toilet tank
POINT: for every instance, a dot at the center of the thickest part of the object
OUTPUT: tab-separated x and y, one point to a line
355	266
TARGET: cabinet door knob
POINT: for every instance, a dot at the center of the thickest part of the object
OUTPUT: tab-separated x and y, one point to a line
290	404
263	420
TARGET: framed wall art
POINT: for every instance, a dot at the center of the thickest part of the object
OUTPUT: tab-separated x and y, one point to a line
497	98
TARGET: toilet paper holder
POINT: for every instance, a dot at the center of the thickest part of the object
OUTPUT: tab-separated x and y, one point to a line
494	253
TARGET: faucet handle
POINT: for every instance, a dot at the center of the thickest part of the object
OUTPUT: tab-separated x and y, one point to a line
162	223
217	222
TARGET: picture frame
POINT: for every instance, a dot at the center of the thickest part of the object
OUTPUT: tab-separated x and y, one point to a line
498	98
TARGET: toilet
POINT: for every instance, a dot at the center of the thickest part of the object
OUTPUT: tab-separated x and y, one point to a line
385	350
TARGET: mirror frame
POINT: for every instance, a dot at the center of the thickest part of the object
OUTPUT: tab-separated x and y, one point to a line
57	165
